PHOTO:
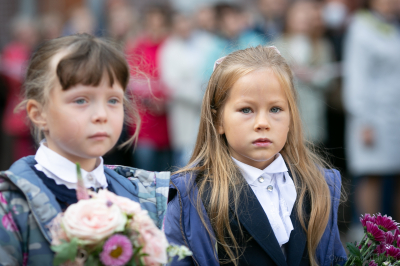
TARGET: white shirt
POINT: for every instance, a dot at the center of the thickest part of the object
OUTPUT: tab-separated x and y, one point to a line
63	171
277	201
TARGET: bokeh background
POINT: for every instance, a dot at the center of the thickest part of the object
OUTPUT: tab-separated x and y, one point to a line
345	56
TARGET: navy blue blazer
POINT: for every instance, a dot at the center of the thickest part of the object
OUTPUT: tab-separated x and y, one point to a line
183	226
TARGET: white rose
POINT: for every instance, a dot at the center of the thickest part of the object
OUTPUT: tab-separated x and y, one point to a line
93	220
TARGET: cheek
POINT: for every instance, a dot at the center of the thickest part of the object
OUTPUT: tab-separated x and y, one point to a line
118	120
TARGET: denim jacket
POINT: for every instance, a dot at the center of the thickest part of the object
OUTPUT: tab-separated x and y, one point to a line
27	206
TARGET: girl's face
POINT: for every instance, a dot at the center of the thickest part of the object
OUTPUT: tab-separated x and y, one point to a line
256	118
84	122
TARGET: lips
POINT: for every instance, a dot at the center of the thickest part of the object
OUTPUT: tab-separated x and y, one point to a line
99	136
262	142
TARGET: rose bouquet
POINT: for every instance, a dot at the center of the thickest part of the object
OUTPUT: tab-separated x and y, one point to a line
105	229
380	245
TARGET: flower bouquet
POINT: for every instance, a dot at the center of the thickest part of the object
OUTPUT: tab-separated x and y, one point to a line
105	229
380	245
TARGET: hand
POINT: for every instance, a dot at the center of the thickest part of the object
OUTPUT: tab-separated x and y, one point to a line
368	136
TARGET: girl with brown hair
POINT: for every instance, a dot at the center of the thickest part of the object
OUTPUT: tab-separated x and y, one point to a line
253	193
75	98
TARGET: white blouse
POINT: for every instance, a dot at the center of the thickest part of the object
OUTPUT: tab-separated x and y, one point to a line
275	191
63	171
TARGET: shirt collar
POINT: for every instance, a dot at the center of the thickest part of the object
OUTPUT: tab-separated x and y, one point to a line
251	173
64	168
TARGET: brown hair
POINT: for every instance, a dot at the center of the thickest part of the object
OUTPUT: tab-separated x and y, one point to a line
86	60
212	158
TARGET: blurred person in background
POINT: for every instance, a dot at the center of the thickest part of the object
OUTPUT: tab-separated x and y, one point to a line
336	15
50	26
233	33
17	138
272	18
153	147
233	28
310	56
80	21
122	21
182	59
122	25
205	19
371	98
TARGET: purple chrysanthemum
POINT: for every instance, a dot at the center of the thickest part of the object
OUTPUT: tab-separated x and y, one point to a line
397	240
372	263
396	233
380	249
389	238
393	252
385	223
117	251
366	218
374	233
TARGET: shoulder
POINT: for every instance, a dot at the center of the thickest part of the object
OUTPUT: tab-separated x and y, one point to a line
183	182
334	181
150	188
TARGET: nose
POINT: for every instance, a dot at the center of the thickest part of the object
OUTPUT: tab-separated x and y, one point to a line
99	113
262	122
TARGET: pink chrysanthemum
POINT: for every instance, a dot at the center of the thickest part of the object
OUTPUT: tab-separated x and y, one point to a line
393	252
385	223
389	238
372	263
117	251
374	233
366	218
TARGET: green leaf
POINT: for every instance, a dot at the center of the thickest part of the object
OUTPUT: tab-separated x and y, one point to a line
66	251
91	261
353	250
357	262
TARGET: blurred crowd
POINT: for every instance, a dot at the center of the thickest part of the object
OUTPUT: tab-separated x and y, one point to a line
345	56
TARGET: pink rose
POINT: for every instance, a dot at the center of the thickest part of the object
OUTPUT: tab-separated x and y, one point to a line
127	206
56	231
151	238
93	220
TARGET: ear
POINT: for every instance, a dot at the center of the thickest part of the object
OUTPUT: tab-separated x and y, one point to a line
36	114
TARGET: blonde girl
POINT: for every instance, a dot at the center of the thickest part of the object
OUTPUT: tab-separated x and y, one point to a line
253	193
75	100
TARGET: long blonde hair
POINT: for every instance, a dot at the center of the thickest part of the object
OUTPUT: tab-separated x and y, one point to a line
212	158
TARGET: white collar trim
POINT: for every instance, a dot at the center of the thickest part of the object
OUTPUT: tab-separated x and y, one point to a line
64	170
251	173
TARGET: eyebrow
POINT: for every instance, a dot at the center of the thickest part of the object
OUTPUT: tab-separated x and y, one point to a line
252	101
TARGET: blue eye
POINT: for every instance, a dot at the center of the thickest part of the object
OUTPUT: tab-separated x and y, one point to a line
113	101
80	101
246	110
275	110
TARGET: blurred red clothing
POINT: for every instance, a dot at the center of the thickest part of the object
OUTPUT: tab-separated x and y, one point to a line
13	65
150	94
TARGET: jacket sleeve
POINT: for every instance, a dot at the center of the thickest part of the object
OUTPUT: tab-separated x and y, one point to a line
330	250
339	254
173	228
21	241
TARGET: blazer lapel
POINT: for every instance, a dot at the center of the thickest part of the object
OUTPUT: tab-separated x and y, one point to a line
297	241
252	216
